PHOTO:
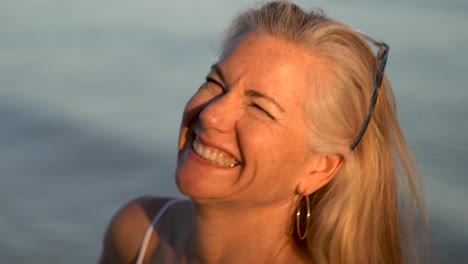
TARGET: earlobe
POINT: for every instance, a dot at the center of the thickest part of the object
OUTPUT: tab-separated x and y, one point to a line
321	173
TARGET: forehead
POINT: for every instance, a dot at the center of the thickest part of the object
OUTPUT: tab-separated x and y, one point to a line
273	65
266	54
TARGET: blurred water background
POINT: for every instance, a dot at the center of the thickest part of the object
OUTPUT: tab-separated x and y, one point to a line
91	94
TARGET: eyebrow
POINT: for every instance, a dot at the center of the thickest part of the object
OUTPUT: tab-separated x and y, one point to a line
250	93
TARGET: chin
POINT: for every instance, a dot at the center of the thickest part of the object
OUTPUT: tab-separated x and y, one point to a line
202	182
196	186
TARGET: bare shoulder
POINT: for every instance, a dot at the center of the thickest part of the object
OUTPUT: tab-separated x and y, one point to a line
127	228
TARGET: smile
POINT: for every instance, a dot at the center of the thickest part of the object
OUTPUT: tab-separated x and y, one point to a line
212	155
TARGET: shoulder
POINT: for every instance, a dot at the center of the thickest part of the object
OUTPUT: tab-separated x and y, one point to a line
127	228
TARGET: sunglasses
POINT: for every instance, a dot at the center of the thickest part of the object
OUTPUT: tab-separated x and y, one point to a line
382	54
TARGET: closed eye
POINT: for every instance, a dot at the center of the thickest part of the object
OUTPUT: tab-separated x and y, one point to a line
258	107
215	82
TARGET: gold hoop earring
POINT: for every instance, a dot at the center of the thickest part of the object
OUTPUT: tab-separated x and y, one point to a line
298	218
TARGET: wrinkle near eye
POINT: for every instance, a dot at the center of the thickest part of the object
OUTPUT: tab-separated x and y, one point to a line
262	110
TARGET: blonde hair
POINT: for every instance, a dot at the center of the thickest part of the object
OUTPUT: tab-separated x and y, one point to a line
366	214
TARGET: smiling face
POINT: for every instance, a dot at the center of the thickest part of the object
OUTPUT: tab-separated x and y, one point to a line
244	134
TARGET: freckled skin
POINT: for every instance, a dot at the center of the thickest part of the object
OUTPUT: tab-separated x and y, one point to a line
274	153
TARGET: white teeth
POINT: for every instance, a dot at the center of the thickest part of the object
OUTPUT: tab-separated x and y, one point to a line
213	155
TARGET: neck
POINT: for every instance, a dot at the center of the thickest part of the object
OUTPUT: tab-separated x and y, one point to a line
233	234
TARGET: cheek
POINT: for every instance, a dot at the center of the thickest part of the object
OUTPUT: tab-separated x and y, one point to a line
193	108
276	165
260	143
192	112
286	148
190	115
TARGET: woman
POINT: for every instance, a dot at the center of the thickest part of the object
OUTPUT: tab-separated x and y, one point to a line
274	158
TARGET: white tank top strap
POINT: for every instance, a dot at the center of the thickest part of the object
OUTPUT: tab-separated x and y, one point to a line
149	231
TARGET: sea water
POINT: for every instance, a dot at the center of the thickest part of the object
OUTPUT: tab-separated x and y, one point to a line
91	95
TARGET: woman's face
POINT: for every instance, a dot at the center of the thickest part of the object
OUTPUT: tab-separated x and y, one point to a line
244	135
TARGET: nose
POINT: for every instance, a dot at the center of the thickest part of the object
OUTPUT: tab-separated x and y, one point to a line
220	114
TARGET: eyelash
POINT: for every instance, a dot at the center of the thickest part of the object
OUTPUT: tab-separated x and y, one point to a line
211	80
261	109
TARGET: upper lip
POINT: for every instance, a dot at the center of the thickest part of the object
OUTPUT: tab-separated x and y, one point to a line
203	139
